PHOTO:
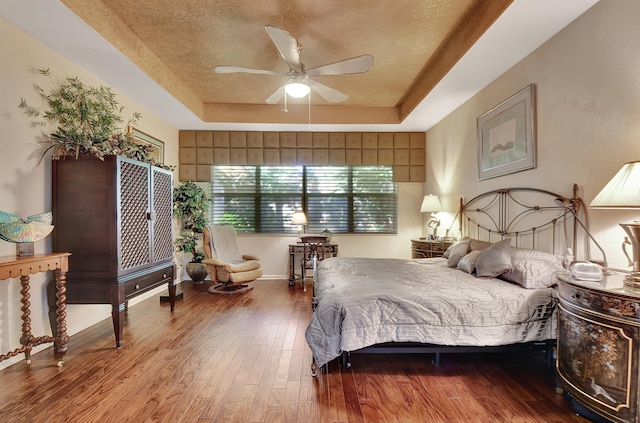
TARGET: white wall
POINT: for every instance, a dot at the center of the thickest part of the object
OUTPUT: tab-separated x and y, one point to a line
588	118
26	185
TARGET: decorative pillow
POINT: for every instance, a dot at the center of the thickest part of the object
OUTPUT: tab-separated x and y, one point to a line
476	244
448	250
533	269
495	259
468	262
458	250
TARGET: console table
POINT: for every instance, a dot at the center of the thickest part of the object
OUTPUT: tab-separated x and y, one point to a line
22	267
310	246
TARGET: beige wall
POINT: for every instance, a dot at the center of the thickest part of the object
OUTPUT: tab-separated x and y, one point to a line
588	118
25	187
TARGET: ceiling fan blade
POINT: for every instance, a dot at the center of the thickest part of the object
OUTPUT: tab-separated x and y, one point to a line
277	95
287	46
238	69
326	92
358	64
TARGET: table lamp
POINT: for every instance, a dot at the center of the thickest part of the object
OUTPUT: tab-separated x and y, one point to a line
431	204
300	219
623	192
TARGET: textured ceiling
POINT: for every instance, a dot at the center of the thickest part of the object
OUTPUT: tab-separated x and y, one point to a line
178	43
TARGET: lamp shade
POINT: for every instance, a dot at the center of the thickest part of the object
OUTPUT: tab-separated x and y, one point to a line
430	203
622	191
299	218
297	89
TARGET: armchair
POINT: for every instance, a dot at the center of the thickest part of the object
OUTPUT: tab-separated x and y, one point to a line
230	271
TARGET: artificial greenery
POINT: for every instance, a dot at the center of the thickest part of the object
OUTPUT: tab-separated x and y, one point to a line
88	120
190	207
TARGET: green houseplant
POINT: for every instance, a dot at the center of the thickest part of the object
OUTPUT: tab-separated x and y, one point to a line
190	207
84	120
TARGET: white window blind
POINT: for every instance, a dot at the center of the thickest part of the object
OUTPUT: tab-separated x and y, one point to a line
343	199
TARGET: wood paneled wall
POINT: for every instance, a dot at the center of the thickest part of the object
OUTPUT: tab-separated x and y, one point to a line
405	151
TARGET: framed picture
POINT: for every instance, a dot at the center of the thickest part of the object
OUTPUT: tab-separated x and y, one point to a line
506	136
157	146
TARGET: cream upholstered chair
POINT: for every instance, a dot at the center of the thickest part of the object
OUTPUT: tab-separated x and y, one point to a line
230	270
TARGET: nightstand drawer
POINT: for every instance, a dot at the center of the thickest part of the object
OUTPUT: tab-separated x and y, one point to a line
603	302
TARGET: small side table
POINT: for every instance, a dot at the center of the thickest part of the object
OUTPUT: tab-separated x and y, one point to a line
309	247
427	248
22	267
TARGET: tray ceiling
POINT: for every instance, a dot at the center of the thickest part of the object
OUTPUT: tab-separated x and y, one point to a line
429	56
178	43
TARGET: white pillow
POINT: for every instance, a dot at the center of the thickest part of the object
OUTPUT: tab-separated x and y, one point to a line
495	259
533	269
458	250
468	262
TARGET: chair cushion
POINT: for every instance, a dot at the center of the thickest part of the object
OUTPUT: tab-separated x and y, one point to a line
243	266
245	276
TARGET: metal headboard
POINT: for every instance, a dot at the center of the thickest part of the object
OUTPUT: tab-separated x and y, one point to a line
532	217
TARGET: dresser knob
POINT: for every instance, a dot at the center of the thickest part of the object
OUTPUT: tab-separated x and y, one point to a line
164	276
137	287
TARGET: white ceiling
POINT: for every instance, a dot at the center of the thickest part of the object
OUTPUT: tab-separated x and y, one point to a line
523	27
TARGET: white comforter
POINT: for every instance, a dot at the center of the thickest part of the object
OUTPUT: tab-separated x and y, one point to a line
367	301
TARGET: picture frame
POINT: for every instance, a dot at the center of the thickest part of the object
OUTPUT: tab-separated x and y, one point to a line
157	146
506	136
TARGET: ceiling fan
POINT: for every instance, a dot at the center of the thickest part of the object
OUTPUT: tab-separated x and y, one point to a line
300	80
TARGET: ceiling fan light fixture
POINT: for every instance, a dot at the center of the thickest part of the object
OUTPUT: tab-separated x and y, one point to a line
297	89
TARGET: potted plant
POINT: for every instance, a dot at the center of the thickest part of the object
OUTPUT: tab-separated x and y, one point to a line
189	207
87	121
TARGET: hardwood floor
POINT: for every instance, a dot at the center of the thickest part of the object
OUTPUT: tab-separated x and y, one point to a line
243	358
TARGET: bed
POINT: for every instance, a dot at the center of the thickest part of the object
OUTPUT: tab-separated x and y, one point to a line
493	289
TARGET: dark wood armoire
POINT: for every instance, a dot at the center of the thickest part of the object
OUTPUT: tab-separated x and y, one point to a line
115	218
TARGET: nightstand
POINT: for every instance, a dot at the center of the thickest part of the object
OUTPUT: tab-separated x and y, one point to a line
304	251
598	346
425	248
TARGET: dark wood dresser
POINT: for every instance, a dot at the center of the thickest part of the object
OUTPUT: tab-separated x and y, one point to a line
599	347
115	218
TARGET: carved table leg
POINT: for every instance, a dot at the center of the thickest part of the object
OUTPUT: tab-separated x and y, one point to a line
27	337
62	339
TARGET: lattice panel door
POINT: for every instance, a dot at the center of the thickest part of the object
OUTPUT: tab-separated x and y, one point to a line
134	208
163	209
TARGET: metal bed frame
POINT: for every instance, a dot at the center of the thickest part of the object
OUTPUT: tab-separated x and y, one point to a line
534	218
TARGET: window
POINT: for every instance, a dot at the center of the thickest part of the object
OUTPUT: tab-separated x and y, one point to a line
343	199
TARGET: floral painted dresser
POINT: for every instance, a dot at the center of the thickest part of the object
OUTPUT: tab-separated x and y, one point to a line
599	347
